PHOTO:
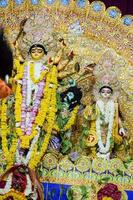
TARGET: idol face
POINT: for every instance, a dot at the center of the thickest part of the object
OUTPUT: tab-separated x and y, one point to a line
37	53
106	93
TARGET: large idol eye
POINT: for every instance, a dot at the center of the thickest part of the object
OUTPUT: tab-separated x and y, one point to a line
106	91
37	49
33	50
40	51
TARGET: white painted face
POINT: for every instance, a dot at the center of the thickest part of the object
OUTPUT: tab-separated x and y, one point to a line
106	93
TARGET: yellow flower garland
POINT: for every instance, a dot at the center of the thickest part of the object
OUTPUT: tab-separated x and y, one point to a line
32	76
15	194
20	69
18	95
72	119
9	153
18	103
40	118
50	120
47	111
4	127
70	122
0	110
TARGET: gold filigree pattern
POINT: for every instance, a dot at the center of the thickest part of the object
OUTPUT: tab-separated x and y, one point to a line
50	161
85	172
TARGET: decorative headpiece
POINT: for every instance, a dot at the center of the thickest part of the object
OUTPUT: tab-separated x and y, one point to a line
106	75
106	81
106	63
76	28
36	32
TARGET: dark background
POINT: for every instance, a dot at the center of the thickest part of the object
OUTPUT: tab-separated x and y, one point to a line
126	6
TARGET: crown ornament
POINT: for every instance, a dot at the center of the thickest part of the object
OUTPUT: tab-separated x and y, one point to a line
76	28
37	32
106	75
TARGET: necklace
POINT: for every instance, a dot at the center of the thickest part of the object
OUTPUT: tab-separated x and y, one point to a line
32	76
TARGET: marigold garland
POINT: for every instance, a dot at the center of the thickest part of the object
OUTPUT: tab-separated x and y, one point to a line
18	102
9	153
50	120
0	111
72	119
4	127
13	193
20	69
46	111
40	118
70	122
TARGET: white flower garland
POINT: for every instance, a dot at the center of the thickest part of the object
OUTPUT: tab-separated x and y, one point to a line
19	158
28	189
31	86
108	111
35	195
8	185
31	148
